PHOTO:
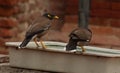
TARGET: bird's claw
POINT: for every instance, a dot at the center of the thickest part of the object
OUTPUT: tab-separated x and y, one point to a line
83	51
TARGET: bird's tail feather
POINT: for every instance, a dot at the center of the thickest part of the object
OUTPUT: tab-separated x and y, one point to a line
71	45
25	42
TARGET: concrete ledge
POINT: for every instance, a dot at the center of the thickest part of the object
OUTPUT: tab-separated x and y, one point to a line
94	60
8	69
4	58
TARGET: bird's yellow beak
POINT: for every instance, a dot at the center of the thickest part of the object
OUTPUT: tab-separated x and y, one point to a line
56	17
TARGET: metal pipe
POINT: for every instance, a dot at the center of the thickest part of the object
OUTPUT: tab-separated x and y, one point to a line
84	10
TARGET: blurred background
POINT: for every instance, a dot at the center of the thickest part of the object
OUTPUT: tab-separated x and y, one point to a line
15	15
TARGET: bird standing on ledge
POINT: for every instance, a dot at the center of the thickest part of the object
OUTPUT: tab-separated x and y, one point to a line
79	37
38	28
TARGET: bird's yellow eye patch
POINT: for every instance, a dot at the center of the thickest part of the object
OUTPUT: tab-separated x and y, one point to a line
56	17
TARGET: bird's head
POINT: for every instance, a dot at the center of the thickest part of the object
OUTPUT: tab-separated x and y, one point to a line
50	16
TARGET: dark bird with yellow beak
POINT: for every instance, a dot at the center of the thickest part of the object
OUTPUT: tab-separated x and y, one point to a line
37	29
79	37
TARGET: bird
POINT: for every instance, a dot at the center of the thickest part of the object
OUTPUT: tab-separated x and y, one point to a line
79	37
38	28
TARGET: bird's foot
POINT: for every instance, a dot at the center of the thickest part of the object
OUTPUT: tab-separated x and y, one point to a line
44	47
83	51
38	46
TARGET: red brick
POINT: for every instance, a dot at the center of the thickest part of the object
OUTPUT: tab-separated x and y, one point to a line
58	5
102	30
7	23
5	33
115	14
72	11
71	18
2	41
105	40
106	36
104	13
105	30
72	7
94	21
9	2
115	22
8	11
100	21
115	5
100	4
72	2
68	27
115	0
23	1
116	31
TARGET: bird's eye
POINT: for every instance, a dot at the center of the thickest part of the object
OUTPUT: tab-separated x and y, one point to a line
87	40
49	15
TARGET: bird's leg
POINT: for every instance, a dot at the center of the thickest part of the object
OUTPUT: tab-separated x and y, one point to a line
83	49
42	44
35	40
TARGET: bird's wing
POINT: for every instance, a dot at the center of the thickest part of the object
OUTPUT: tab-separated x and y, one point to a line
38	27
81	33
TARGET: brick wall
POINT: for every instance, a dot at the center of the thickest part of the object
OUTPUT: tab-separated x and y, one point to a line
15	16
7	20
107	11
103	12
104	21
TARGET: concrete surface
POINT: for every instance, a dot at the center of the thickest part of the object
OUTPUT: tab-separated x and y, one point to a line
4	58
94	60
8	69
